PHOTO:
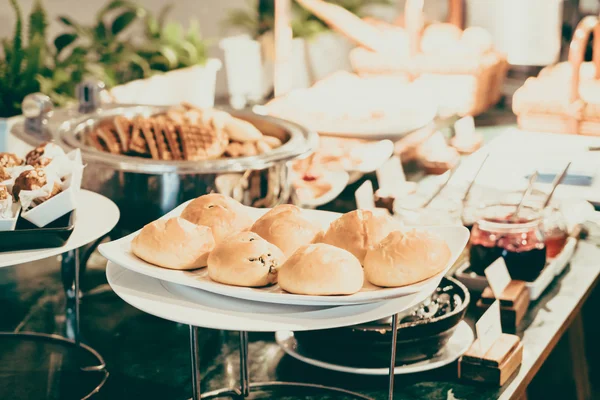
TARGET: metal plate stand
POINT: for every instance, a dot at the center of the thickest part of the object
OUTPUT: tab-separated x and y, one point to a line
70	271
245	386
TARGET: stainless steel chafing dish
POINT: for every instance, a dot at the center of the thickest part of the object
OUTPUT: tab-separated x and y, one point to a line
145	189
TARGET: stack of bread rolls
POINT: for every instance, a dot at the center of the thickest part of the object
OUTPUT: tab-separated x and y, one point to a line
285	247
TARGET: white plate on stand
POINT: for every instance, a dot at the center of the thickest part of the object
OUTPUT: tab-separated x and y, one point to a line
120	253
457	345
195	307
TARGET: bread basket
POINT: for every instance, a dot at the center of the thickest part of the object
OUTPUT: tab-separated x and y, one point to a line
564	98
467	80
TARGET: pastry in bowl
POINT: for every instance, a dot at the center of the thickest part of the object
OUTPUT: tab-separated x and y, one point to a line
359	230
174	243
8	160
35	179
321	270
286	228
245	259
222	214
403	259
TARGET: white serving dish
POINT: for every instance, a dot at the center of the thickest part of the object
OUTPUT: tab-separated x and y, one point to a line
459	343
9	224
120	253
338	179
62	203
195	85
194	307
552	269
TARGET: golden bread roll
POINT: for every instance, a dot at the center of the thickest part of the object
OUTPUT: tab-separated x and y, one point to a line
174	243
321	270
359	230
477	40
245	259
440	38
242	131
222	214
286	228
405	258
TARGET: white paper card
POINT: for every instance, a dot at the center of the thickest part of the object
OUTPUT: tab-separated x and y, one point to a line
489	328
498	276
390	175
364	196
464	128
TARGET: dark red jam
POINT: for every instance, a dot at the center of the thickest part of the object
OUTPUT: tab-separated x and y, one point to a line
523	248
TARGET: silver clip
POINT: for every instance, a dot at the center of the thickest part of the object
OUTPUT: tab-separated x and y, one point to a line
36	108
88	95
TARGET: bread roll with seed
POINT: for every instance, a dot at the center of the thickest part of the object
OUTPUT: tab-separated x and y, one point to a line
222	214
174	243
245	259
321	270
358	231
286	228
403	259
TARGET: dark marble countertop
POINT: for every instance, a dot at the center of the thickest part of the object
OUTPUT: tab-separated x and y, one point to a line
149	358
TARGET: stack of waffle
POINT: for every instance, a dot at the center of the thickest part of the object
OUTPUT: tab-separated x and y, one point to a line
185	133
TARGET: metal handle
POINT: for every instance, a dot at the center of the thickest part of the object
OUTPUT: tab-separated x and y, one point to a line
36	108
88	95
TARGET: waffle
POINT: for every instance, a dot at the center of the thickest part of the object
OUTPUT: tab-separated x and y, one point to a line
183	133
96	142
200	142
109	138
138	143
146	128
158	126
124	129
173	140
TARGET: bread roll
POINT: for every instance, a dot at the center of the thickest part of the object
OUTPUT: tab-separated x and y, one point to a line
222	214
405	258
322	270
286	228
477	40
440	38
174	243
359	230
245	259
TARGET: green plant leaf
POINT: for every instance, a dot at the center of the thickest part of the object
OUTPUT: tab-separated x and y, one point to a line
172	33
38	21
100	31
67	21
151	26
17	45
170	54
122	21
162	15
63	41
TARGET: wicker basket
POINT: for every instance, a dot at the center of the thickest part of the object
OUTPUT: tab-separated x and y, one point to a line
564	98
466	82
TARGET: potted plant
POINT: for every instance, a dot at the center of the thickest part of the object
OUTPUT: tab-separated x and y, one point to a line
165	66
317	50
21	60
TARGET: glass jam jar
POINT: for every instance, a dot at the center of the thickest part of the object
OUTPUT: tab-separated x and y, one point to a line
520	241
556	231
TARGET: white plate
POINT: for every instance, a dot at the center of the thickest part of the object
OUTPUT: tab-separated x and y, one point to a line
194	307
337	179
119	252
457	345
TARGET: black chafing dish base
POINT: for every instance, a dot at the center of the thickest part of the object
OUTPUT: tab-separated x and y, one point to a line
369	344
